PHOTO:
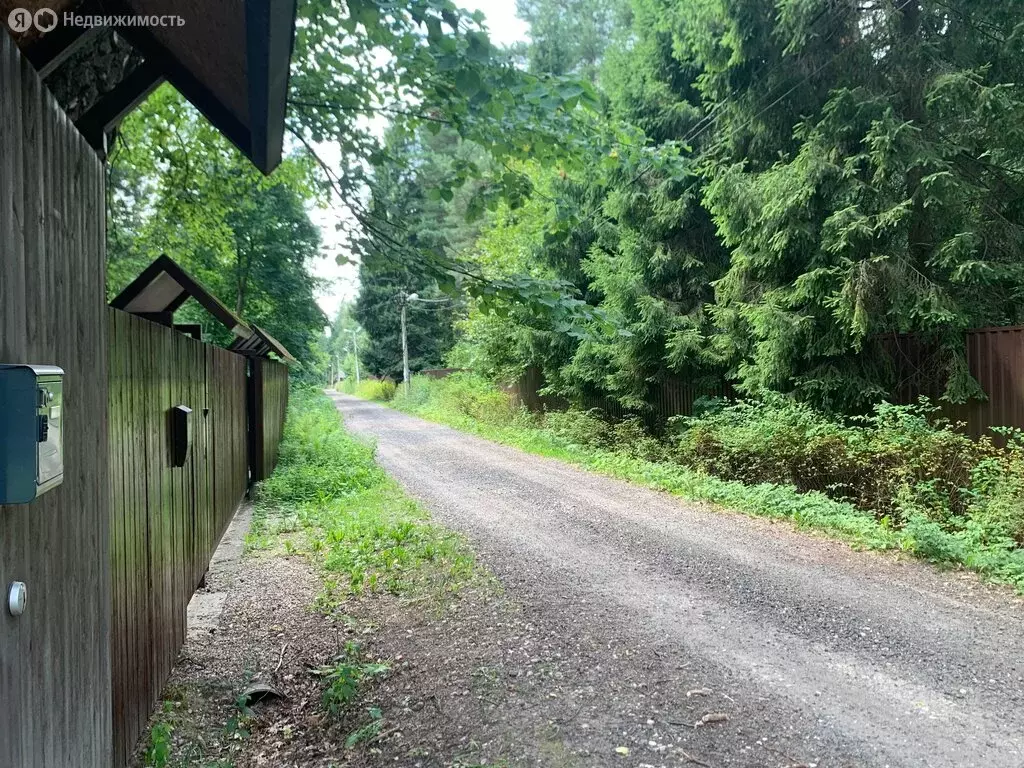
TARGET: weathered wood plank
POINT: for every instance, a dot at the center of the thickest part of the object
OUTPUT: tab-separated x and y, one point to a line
15	529
174	516
268	402
112	556
51	299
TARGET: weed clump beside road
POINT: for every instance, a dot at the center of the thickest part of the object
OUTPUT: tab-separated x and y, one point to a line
346	512
895	479
381	390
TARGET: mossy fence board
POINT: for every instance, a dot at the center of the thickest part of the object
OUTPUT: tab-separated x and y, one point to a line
55	688
166	520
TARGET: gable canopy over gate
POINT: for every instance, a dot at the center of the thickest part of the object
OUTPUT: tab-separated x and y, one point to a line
261	344
163	287
229	58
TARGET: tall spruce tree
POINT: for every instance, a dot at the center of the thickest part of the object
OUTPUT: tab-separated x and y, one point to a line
411	216
846	170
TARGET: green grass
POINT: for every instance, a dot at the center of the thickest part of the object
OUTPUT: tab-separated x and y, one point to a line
329	499
370	389
469	404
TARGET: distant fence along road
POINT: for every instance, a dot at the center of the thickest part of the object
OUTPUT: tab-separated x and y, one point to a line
995	358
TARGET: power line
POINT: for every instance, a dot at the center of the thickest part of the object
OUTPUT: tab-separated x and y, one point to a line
697	131
836	28
447	308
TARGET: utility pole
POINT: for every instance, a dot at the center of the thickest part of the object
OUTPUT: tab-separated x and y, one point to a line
403	300
355	347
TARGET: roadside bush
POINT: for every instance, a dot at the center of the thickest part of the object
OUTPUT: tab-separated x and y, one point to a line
382	390
632	437
995	495
421	391
584	428
593	429
895	456
464	394
317	461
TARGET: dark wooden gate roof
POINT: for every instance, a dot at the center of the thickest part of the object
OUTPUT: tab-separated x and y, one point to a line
229	58
261	344
163	287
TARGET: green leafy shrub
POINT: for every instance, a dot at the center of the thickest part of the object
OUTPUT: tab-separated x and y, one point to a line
878	462
344	676
382	390
632	437
583	428
996	490
158	751
419	394
465	395
317	460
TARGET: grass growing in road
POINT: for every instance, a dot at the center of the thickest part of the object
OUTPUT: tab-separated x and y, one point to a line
348	515
918	517
329	502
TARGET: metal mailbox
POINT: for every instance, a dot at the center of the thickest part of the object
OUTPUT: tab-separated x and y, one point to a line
31	431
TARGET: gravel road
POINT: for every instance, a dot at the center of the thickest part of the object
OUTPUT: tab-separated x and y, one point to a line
818	655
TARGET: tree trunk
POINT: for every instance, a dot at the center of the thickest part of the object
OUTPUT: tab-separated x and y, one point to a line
918	239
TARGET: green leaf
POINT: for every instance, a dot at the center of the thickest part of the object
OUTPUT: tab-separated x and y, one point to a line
479	47
468	82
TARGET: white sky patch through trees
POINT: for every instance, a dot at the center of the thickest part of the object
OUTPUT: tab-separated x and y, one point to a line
504	29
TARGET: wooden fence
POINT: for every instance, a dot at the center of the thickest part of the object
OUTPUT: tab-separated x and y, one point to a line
439	373
525	391
995	358
112	555
54	661
165	520
268	401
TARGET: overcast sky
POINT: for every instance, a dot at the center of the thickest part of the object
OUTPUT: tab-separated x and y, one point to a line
504	29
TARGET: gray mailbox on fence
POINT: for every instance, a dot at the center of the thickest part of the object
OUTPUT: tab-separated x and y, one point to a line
31	431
